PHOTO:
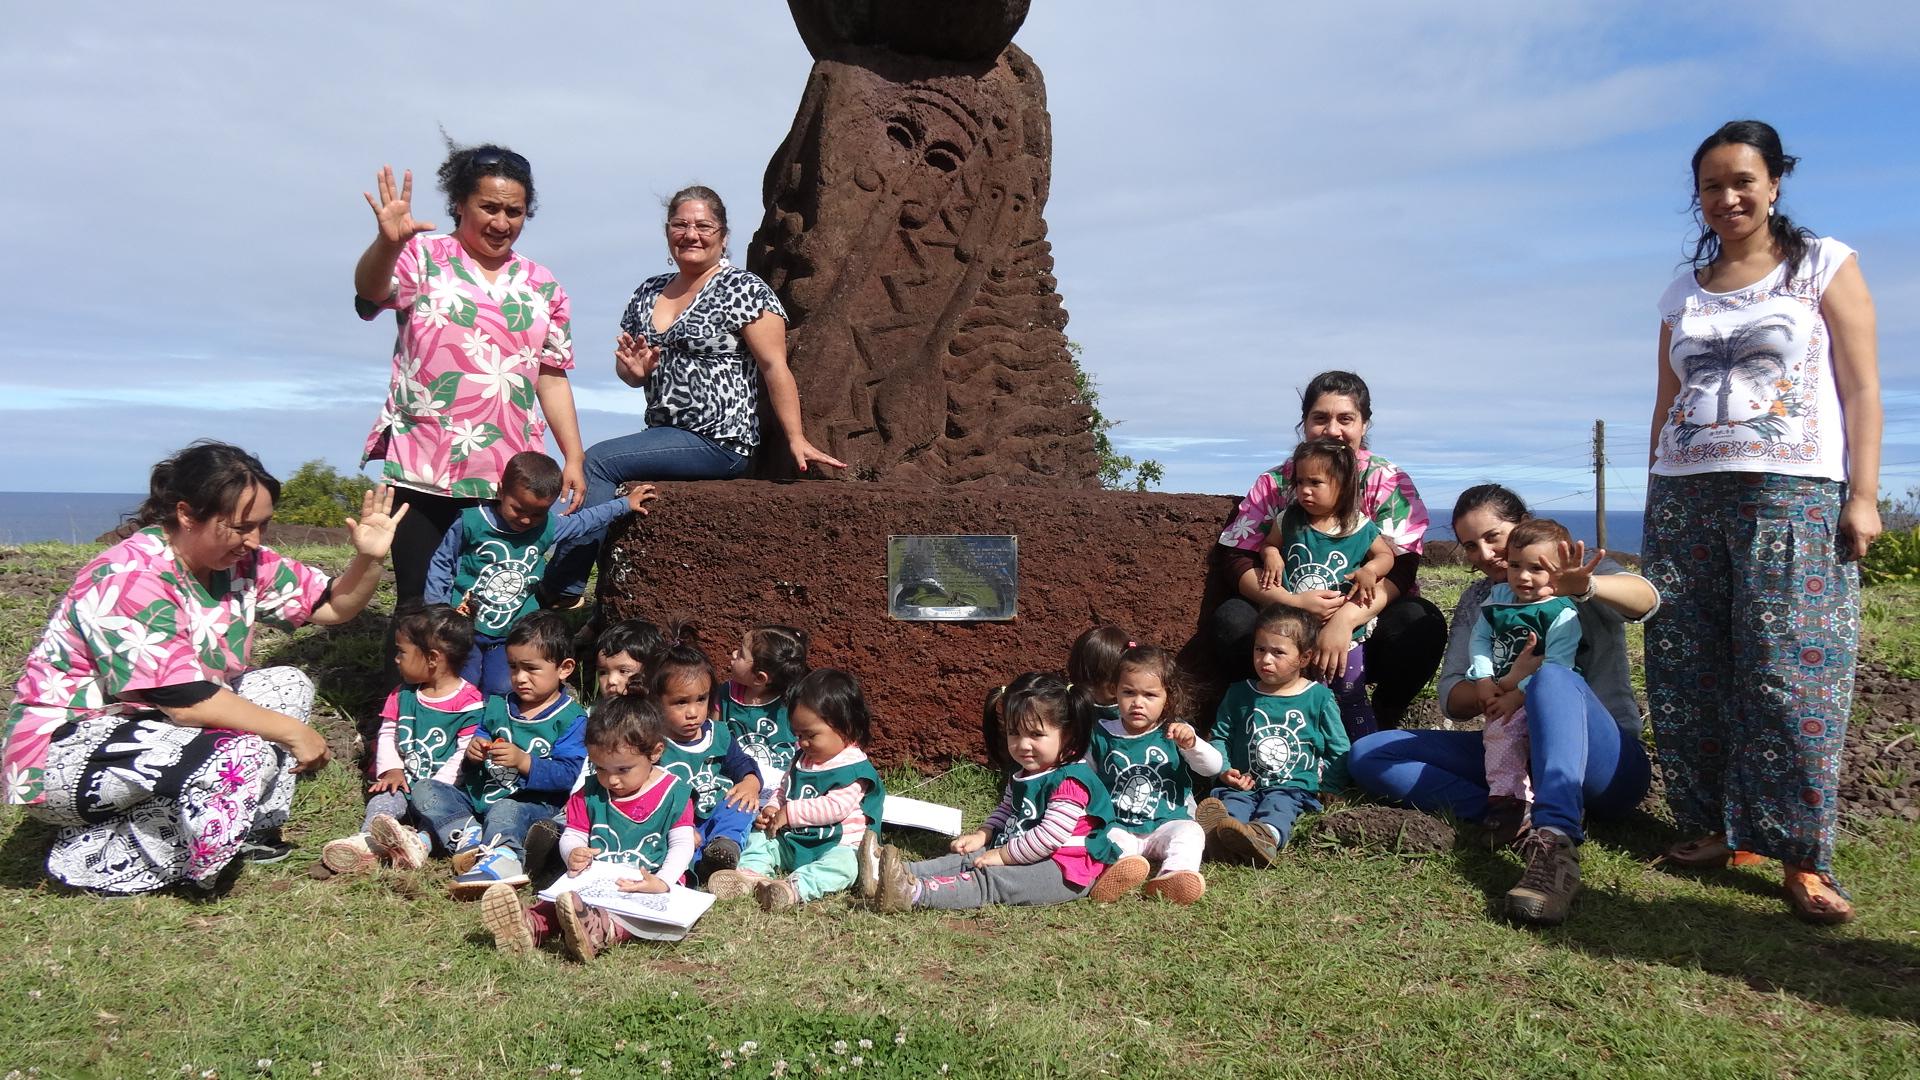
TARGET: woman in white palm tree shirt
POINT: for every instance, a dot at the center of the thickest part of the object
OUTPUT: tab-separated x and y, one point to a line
1765	462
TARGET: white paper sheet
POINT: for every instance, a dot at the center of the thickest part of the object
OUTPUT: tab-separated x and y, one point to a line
899	810
660	916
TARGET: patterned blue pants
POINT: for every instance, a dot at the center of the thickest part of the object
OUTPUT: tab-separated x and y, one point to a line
1750	659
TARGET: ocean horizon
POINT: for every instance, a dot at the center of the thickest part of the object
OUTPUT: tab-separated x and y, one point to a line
28	517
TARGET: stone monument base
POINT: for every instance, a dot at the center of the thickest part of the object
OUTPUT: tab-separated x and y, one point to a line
732	555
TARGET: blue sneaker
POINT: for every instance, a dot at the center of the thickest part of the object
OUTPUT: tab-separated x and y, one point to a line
499	866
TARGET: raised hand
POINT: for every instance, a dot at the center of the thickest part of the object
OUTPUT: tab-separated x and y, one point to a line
635	358
394	209
1575	575
372	532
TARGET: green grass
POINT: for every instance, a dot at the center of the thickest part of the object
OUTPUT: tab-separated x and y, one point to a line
1330	964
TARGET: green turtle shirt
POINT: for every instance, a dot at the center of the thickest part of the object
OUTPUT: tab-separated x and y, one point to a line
801	845
1285	741
1147	781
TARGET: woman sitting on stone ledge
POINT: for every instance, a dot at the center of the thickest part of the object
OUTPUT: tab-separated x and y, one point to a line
700	341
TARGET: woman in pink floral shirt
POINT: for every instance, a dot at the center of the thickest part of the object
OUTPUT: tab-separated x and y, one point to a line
483	333
139	727
1404	649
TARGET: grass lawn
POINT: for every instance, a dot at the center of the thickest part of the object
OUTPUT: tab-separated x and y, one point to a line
1330	964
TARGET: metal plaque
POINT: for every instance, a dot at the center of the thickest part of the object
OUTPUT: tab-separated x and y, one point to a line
953	578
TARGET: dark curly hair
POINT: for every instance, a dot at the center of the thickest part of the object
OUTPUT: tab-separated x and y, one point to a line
1790	238
466	166
209	476
1035	703
437	628
1341	384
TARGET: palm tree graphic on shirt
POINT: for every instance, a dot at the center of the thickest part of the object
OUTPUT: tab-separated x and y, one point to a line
1746	357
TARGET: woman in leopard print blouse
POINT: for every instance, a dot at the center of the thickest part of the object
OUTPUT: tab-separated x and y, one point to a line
700	341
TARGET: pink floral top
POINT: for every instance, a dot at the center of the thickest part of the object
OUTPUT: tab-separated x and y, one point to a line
1387	497
136	619
465	366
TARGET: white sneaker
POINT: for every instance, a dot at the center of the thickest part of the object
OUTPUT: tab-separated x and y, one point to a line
401	845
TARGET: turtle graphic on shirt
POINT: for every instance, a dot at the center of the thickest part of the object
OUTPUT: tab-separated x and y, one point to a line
1276	748
1139	787
1306	575
502	585
504	780
421	754
1027	816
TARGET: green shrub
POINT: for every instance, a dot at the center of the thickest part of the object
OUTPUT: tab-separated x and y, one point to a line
1893	557
319	494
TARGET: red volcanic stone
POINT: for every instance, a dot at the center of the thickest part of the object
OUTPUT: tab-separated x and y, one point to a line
732	555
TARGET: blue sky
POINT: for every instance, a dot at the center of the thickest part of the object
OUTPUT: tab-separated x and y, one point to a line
1474	206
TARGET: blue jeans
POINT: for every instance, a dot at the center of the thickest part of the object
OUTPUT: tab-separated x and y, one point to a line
654	453
1274	806
486	666
1580	758
448	815
726	823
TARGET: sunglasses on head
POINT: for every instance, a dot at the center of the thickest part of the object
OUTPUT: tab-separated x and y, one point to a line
492	156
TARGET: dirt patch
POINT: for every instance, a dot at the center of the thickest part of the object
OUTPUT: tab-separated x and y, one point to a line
1384	829
1881	775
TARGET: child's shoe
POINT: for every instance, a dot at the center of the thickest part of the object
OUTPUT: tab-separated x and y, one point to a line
720	854
502	915
1124	876
349	855
264	847
499	866
467	850
1180	887
1210	813
895	892
730	885
584	929
543	839
774	895
401	844
866	878
1236	841
1506	821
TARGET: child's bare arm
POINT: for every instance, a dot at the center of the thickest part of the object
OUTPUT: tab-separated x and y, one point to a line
1368	577
1273	567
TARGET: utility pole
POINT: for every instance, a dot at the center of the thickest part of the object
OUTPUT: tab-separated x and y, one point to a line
1600	483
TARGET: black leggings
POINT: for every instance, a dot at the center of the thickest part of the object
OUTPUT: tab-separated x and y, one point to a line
1401	655
417	537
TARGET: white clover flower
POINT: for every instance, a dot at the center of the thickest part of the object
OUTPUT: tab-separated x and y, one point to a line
263	1064
839	1046
856	1061
866	1044
900	1037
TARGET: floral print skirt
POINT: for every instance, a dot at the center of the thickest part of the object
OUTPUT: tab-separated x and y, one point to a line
143	803
1750	658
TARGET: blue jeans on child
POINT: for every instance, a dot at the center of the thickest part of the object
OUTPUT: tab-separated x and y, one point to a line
1273	806
726	823
1581	760
655	453
448	814
486	666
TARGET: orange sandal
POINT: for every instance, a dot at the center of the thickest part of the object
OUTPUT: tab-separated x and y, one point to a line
1710	852
1817	898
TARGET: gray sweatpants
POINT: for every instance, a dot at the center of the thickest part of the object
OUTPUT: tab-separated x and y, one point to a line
952	881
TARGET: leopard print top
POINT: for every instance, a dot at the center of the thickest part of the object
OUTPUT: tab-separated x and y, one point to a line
707	381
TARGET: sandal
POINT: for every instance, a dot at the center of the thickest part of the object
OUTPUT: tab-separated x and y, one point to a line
1710	852
1817	898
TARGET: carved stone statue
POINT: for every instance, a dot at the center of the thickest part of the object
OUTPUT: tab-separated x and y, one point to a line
903	232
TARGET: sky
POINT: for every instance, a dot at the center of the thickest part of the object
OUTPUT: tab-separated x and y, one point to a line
1473	206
